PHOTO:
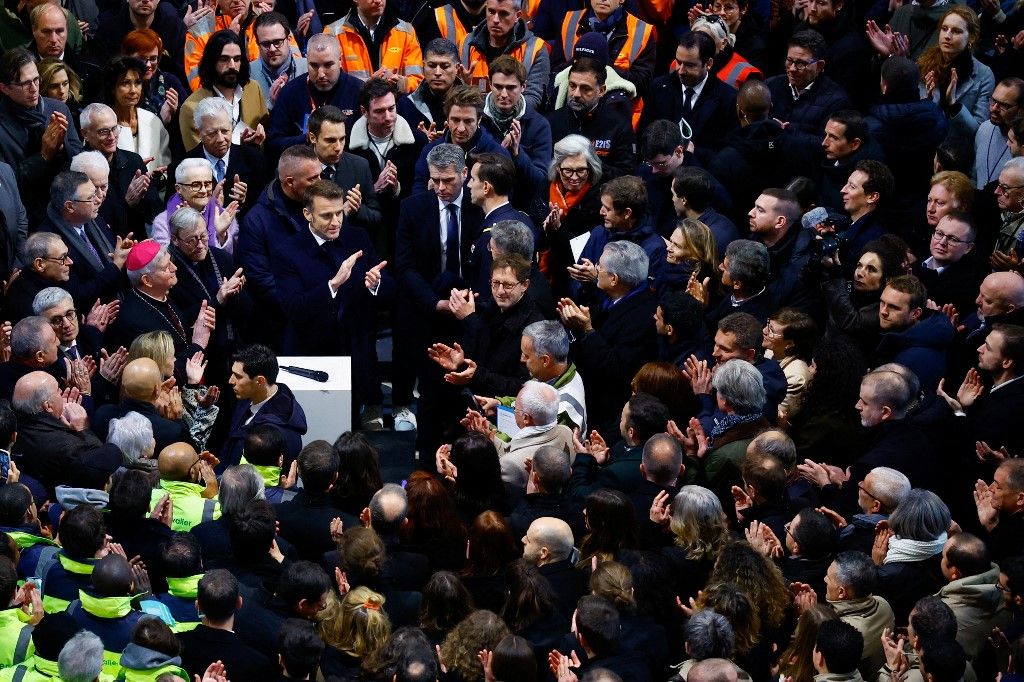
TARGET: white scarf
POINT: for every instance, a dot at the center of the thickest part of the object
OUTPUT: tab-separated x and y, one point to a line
902	550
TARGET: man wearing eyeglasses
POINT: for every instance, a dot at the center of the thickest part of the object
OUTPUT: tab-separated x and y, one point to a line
132	199
37	137
73	214
47	264
804	96
990	149
276	64
950	273
1009	191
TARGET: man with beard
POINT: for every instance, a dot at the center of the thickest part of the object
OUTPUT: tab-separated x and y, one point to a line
585	114
224	72
132	198
276	64
37	136
323	83
990	148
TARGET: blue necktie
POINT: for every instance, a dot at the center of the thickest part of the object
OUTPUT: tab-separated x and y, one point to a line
453	255
219	169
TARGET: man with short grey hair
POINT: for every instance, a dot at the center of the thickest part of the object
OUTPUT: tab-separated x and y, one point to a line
1009	191
47	263
239	166
612	342
435	233
745	270
536	415
34	347
387	514
81	659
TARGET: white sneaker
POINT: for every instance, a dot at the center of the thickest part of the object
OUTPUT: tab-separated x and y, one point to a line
405	420
373	418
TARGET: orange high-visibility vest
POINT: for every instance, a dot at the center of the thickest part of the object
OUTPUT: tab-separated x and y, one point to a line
399	51
638	34
737	70
194	46
476	63
449	25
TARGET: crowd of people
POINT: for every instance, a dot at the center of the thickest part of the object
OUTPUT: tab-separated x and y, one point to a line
705	324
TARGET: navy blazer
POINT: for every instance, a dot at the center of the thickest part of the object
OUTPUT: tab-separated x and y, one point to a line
319	324
418	249
245	161
482	258
713	116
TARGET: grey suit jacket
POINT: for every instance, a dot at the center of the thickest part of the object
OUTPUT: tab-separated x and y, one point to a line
513	455
15	221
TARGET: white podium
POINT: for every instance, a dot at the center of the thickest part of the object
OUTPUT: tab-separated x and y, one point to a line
328	405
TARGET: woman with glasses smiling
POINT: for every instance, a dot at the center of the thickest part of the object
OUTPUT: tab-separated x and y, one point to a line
194	187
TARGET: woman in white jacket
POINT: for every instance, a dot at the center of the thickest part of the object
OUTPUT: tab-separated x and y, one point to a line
140	131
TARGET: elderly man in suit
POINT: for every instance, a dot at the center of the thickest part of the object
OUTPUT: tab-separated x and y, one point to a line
238	166
326	284
436	232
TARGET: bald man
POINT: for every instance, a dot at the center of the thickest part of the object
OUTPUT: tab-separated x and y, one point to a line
1000	299
548	545
54	431
190	482
142	386
713	670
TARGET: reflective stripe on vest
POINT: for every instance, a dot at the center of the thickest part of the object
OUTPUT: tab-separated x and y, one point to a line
737	71
449	25
638	33
21	648
570	27
526	53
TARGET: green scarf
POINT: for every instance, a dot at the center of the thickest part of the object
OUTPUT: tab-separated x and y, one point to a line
271	474
25	540
184	588
105	607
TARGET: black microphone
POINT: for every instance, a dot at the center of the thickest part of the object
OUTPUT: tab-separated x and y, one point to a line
314	374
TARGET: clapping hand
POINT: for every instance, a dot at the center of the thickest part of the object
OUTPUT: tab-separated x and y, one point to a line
693	440
449	358
661	509
231	286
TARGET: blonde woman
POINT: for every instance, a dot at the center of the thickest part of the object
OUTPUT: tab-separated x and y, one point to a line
358	628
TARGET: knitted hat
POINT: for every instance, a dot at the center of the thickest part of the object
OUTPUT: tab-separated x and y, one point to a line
142	254
593	45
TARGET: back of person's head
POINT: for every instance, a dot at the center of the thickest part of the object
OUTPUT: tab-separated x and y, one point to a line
81	659
8	422
218	595
681	312
112	576
741	386
513	659
552	468
264	445
445	602
513	237
647	416
389	508
181	556
15	501
968	554
82	532
709	635
491	545
765	473
258	360
496	169
749	263
358	468
362	553
922	515
154	634
302	581
416	660
662	459
614	582
815	534
889	487
713	669
597	624
856	573
695	185
300	648
239	485
318	466
8	580
754	100
839	645
931	617
661	138
901	77
52	633
252	530
942	660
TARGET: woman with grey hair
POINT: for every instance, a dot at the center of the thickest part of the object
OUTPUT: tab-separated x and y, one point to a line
133	435
908	550
194	187
700	529
571	206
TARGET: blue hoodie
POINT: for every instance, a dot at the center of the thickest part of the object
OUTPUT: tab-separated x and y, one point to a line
282	411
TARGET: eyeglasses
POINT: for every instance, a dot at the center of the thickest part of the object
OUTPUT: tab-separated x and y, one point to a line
63	260
771	333
109	132
25	85
87	200
1002	588
799	64
787	529
939	236
59	320
154	59
504	286
272	44
574	172
867	492
193	242
714	19
1006	189
1001	105
198	185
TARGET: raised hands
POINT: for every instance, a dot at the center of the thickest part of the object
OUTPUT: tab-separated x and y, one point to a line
373	276
576	317
595	446
699	374
474	421
111	366
887	42
344	271
206	322
432	132
880	547
388	178
449	358
694	441
256	136
462	303
443	462
661	509
763	539
697	289
985	500
239	190
585	271
353	201
53	135
102	315
170	105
